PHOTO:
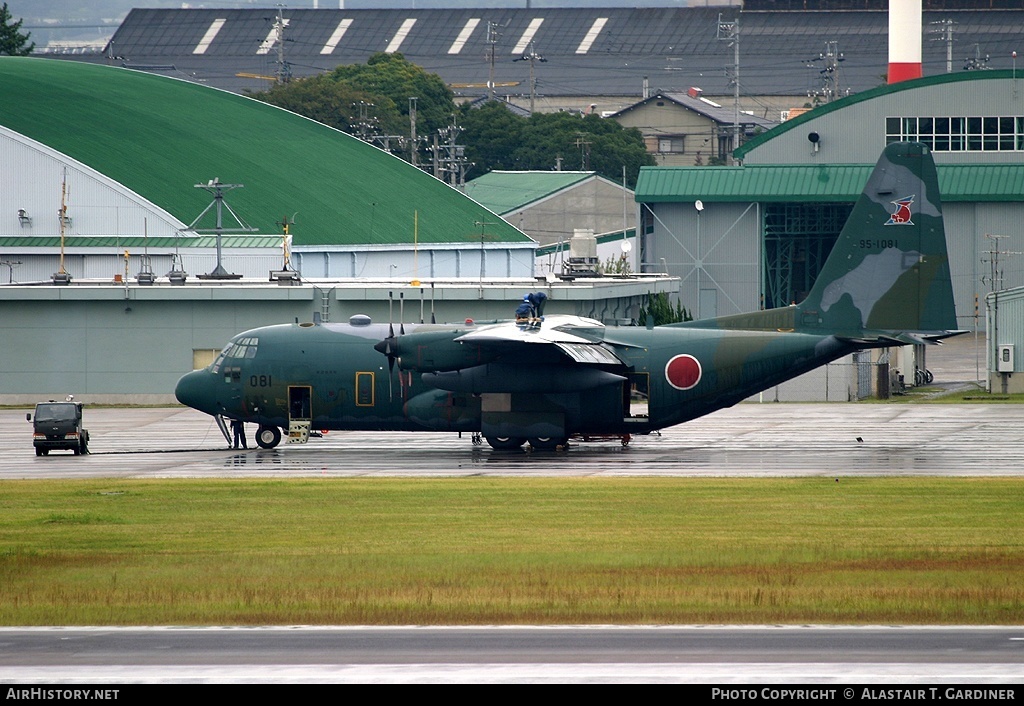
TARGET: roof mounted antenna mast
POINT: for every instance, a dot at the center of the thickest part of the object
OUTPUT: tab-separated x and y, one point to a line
217	189
61	276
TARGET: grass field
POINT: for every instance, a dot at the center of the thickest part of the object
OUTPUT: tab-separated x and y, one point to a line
491	550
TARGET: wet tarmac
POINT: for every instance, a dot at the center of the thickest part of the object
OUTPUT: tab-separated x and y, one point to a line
770	439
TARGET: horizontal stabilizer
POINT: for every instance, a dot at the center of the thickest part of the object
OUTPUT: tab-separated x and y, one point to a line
889	338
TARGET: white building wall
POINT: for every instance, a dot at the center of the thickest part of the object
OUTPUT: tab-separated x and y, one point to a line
855	134
429	260
32	178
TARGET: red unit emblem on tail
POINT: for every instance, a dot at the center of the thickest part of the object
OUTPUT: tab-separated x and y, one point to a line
901	216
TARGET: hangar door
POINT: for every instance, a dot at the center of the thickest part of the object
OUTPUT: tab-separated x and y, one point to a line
797	239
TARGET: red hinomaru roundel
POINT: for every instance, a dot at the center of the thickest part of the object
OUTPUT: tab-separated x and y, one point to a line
683	371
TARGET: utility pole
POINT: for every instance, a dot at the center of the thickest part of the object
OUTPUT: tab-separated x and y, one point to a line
365	125
532	57
944	28
452	160
996	284
831	58
492	41
366	128
584	145
284	72
413	142
730	32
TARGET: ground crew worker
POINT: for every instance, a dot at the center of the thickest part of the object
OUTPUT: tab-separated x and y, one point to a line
238	427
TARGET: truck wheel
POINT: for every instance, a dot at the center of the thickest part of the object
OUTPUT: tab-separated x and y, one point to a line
39	451
77	450
268	437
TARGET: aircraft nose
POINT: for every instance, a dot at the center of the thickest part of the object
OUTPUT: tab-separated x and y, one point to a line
193	390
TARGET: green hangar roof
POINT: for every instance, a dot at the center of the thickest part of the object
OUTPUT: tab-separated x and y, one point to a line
159	137
505	191
816	183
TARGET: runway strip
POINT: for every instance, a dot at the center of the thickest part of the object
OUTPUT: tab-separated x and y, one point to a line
505	654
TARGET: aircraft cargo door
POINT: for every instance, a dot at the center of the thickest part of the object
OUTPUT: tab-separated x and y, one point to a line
300	414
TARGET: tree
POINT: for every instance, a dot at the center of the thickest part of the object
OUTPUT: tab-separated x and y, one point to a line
492	134
12	42
393	76
497	139
336	104
369	99
661	311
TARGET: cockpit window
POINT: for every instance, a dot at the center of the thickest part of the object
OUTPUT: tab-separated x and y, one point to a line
241	348
215	367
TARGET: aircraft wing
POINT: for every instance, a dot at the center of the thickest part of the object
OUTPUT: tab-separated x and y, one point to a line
554	329
577	337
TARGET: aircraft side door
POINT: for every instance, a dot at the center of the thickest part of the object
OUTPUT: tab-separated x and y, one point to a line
300	413
636	397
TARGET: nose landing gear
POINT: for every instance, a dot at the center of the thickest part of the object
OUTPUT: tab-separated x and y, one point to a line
268	437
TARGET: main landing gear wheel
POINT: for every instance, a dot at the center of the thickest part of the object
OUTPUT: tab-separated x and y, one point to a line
268	437
548	443
505	443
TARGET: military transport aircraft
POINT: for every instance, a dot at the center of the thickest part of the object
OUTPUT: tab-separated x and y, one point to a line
886	282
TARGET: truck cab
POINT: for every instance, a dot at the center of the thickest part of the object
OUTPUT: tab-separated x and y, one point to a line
58	425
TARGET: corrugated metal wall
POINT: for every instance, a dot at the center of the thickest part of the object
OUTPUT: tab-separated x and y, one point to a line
31	180
1005	315
716	252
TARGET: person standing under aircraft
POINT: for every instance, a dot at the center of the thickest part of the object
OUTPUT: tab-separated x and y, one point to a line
238	427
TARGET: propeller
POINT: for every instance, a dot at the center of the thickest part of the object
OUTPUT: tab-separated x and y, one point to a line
389	346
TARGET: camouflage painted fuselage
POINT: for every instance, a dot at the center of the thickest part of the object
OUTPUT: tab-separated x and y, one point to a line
531	389
886	282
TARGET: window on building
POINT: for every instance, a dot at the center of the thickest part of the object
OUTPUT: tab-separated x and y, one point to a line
959	134
672	144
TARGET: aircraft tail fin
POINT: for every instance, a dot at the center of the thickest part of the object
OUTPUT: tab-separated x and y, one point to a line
888	276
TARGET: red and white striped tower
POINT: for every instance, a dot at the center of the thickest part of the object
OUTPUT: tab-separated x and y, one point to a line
904	40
